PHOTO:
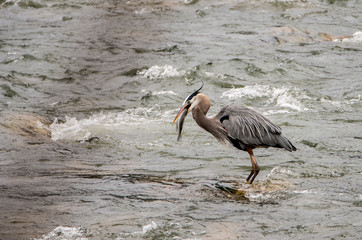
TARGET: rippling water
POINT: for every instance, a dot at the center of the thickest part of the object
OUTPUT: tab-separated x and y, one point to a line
89	90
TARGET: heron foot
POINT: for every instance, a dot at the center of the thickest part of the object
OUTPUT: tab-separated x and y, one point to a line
252	176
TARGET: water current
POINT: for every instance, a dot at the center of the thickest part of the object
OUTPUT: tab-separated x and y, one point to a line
89	89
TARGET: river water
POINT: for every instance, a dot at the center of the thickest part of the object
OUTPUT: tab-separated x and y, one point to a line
89	90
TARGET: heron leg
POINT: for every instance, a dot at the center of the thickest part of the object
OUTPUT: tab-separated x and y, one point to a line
254	167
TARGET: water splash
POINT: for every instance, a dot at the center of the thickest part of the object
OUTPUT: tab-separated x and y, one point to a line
156	93
305	191
356	38
148	227
164	71
101	124
69	233
286	97
165	230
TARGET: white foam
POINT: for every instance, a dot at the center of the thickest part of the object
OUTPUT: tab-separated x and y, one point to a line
69	233
277	170
345	104
136	235
284	96
101	124
142	11
306	191
164	71
148	227
164	92
257	196
356	38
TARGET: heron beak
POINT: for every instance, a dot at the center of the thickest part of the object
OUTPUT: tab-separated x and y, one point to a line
186	106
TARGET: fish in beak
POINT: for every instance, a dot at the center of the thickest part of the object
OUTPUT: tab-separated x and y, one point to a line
184	110
181	118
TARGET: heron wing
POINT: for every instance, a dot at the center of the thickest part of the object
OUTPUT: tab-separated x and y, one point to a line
252	129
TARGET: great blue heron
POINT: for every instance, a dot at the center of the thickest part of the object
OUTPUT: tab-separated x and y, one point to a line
242	127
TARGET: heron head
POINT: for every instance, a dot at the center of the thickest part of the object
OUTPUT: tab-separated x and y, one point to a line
188	104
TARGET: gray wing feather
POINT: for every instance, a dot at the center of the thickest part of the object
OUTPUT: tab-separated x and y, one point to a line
252	129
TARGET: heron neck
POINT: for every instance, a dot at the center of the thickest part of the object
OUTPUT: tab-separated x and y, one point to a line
212	125
201	118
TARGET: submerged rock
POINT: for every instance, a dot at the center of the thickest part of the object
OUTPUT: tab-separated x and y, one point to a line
28	125
285	34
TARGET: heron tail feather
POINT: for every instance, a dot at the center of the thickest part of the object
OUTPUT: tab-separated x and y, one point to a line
285	143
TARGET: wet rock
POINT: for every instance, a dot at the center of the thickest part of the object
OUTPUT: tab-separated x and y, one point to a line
285	34
189	2
28	125
309	143
30	4
258	191
134	71
8	91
